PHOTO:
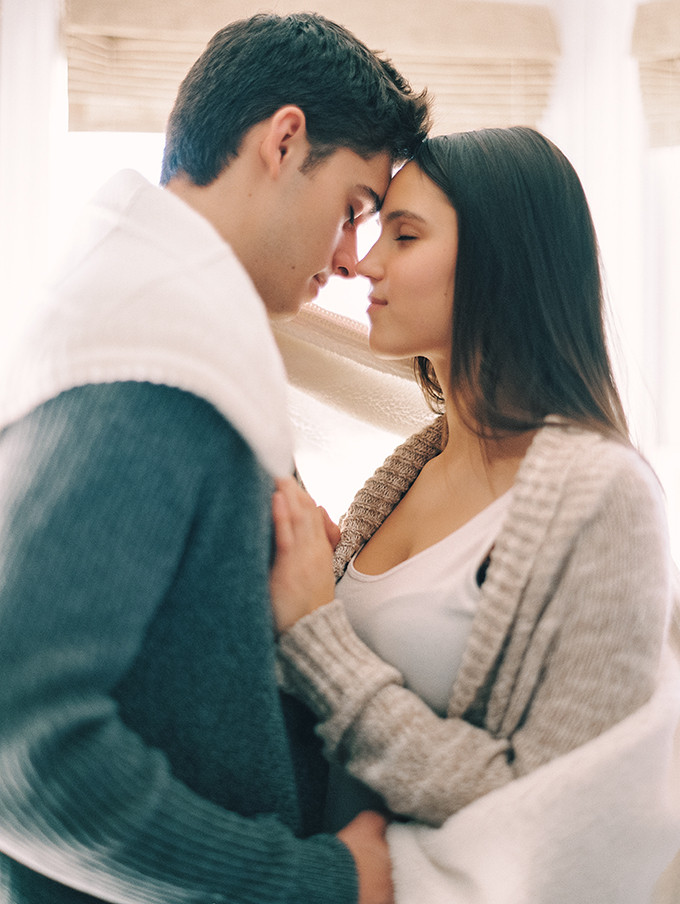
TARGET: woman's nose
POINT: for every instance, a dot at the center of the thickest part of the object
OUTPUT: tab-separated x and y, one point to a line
368	266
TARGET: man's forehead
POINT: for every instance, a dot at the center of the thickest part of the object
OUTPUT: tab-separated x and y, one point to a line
369	177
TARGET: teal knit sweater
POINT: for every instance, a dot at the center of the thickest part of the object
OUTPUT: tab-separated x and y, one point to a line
146	754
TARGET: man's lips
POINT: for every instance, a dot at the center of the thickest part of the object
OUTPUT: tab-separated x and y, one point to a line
380	302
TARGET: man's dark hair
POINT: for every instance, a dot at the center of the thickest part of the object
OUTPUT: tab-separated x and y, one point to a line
351	98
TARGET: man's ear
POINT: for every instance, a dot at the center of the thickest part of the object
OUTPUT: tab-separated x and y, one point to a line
285	138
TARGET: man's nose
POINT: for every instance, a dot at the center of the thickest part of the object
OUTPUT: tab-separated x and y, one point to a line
346	257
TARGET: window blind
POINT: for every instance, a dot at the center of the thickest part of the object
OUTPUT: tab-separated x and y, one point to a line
656	46
485	64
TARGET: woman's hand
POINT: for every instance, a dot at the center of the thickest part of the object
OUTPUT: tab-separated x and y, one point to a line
302	574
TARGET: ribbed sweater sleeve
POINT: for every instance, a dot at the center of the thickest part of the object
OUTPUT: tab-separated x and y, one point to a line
424	766
566	643
112	499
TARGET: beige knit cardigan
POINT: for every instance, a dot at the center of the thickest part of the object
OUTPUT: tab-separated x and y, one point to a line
567	640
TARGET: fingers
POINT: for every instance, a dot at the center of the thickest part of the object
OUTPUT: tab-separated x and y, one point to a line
301	577
298	501
371	822
283	528
297	513
332	529
288	506
365	838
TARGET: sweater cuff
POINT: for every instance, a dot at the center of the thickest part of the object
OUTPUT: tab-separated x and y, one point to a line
323	662
325	872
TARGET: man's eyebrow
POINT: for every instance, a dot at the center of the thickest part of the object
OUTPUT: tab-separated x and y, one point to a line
376	200
402	214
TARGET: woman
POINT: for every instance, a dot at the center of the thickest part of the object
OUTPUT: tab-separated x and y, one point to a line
505	577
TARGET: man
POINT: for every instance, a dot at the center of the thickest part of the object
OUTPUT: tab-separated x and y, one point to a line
146	754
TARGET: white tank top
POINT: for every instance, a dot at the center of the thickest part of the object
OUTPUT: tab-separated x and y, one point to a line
417	615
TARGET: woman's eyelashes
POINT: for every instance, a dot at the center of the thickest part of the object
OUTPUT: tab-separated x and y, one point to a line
402	230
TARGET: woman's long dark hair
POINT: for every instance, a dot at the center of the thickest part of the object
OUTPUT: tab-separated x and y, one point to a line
528	310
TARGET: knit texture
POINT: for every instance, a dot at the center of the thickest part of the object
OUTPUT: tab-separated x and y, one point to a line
380	495
567	640
141	723
598	825
146	754
150	292
328	358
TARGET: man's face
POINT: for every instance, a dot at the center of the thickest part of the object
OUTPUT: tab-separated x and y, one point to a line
310	233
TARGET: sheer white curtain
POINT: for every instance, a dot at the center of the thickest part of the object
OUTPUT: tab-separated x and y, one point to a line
597	117
32	121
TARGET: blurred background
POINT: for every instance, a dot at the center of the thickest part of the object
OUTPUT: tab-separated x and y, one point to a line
86	87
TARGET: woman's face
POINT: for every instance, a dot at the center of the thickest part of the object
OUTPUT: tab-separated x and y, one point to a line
412	269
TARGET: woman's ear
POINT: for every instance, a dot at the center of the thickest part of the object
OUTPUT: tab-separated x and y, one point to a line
285	138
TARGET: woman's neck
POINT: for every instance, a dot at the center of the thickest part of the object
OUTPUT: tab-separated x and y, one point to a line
494	459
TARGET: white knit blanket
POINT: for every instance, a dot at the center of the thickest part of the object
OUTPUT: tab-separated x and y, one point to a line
599	825
151	293
327	357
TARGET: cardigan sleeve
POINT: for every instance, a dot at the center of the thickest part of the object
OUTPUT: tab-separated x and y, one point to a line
102	491
599	642
588	657
382	732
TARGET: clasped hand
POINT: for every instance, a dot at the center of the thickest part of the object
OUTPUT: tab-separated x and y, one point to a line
302	574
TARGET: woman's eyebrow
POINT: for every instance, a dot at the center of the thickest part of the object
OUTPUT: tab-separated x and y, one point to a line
401	214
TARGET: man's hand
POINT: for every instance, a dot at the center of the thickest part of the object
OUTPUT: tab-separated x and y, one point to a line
365	838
